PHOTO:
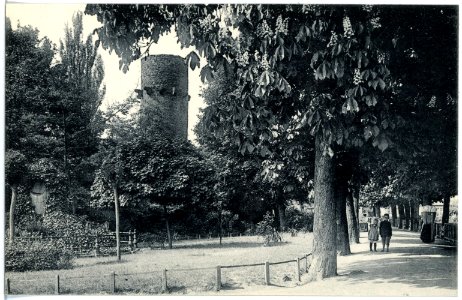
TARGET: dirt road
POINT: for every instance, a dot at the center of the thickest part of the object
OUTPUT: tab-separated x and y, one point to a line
411	268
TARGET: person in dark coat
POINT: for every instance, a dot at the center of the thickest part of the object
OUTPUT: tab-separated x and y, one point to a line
385	232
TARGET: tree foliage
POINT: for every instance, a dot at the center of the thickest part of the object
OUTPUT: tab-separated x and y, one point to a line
153	170
422	163
332	59
80	96
27	74
281	170
51	104
335	68
15	168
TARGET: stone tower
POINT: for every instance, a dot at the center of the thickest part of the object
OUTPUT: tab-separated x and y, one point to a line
164	86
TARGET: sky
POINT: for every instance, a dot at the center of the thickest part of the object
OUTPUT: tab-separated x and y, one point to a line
51	18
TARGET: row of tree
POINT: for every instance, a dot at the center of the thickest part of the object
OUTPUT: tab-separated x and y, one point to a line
334	86
52	104
58	136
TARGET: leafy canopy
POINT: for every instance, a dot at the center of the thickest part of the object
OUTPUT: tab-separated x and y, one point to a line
331	59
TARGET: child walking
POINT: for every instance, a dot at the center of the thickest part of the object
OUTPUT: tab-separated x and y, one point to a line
373	235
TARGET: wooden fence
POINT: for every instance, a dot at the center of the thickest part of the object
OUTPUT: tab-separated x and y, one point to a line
92	245
301	265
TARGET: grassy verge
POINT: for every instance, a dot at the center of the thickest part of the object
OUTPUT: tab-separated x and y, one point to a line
140	273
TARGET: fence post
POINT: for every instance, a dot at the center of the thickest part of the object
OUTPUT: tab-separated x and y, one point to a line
306	263
135	242
164	281
57	285
218	278
112	282
297	274
8	290
96	245
267	273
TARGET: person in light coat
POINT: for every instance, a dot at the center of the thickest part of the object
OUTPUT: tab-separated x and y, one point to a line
373	235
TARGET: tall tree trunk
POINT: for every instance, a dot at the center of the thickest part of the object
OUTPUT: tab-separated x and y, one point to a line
167	226
353	226
415	215
220	225
324	258
14	192
377	210
407	214
411	215
117	221
282	217
393	215
343	241
66	166
446	202
356	206
402	216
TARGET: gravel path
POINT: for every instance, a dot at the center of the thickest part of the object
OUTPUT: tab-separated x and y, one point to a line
411	268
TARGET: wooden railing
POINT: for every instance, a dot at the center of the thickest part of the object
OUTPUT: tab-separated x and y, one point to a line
301	265
446	231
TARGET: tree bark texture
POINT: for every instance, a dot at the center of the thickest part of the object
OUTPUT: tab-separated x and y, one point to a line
341	192
14	192
411	216
393	215
282	217
352	220
377	210
167	226
343	240
407	214
414	215
324	258
356	205
446	202
402	216
117	221
66	166
220	225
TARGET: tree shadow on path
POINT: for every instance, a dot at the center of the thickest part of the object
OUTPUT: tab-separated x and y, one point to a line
410	261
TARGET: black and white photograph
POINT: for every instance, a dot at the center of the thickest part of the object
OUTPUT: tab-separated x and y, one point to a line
230	149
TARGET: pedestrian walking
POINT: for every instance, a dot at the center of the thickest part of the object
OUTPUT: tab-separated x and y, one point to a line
373	235
385	232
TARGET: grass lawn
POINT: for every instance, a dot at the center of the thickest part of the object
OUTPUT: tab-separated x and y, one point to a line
141	273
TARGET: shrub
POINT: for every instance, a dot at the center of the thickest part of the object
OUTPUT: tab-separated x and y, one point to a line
267	230
28	255
152	240
299	220
62	224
